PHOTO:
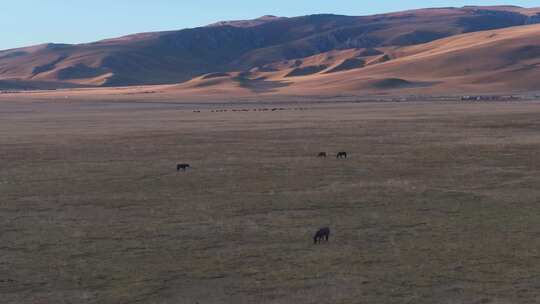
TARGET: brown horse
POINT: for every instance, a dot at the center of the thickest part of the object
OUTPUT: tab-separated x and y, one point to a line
323	233
322	154
182	167
342	155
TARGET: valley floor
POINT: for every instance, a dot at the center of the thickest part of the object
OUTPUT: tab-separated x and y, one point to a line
438	202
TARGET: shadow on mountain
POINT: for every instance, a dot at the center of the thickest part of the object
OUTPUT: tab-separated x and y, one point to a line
370	52
418	37
261	84
312	69
49	66
348	64
79	71
216	75
398	83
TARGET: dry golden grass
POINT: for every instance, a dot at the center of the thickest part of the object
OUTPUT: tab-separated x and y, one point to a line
437	204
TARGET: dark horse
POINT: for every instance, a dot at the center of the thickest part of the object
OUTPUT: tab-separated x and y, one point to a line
322	154
182	167
341	155
323	233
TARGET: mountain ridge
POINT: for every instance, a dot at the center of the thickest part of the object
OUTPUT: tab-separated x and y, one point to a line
266	43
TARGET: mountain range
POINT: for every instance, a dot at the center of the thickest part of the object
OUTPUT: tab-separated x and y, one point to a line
468	49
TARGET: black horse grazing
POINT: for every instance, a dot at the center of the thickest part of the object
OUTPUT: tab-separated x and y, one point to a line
182	167
322	154
342	155
323	233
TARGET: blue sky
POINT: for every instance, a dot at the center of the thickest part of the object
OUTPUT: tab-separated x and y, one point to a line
28	22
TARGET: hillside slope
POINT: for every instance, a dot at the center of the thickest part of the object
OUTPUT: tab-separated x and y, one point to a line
505	60
264	43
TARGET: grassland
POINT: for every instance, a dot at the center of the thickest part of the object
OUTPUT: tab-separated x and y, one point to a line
437	204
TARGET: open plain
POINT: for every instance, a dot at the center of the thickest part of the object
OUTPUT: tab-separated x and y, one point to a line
437	203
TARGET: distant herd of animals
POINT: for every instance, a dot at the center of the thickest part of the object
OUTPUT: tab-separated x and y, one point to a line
338	155
321	234
342	154
255	110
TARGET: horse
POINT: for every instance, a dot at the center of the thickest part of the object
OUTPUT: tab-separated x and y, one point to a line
323	233
182	167
322	154
342	155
